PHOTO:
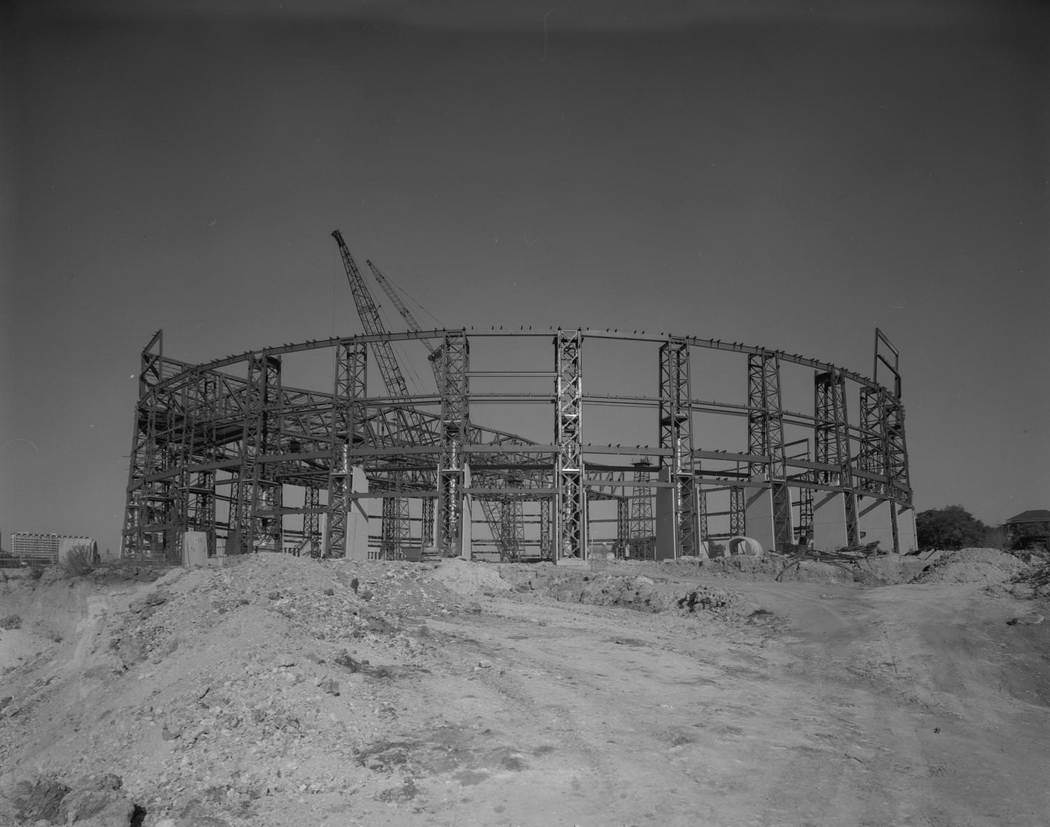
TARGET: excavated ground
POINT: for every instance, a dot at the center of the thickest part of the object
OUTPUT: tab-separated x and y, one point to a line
281	691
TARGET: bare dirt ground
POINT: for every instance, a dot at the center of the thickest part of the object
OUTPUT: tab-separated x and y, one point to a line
281	691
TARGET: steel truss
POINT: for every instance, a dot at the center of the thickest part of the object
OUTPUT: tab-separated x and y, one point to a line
212	452
641	530
765	436
570	514
454	359
831	440
348	412
676	437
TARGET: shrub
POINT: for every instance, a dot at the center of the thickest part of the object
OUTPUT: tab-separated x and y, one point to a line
79	561
952	527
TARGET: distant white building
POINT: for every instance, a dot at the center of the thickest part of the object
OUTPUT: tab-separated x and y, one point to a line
49	549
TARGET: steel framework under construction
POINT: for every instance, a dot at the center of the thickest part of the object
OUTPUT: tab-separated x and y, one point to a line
233	450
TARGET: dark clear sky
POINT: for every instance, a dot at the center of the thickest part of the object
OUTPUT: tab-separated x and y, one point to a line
786	175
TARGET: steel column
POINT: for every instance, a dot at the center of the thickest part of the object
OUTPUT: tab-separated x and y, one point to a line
570	514
765	435
676	436
311	542
351	367
546	530
394	528
454	359
831	440
641	528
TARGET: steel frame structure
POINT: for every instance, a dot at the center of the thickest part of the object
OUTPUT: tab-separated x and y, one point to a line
765	436
216	446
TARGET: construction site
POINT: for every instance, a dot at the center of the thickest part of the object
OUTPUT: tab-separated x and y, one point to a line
237	454
488	576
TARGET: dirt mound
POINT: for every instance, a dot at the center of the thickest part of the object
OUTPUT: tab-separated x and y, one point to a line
208	691
470	578
1033	582
636	591
983	566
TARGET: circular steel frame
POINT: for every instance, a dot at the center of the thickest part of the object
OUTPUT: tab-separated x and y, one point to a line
229	449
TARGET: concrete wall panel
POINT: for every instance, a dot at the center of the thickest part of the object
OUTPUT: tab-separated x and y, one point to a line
758	513
829	521
875	524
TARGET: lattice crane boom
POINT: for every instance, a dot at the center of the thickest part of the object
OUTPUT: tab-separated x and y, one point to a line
492	516
373	324
408	316
402	308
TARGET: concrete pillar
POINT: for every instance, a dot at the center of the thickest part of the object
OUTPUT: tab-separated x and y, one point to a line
357	516
873	522
194	549
666	525
466	522
829	521
758	512
906	532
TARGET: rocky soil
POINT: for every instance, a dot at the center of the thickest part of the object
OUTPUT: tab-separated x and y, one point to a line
279	691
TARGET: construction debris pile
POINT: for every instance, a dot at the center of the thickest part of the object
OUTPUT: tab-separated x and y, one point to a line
217	694
1034	581
985	566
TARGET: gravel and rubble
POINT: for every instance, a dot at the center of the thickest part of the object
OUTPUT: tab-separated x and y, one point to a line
277	690
982	566
214	692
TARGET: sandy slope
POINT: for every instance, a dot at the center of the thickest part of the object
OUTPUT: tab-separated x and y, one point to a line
283	691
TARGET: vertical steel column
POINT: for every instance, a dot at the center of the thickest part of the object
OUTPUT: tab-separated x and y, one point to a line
883	451
870	457
895	450
181	424
804	530
623	526
135	540
256	506
765	435
701	501
394	528
269	522
676	436
546	530
311	521
641	519
736	511
737	508
570	515
202	506
455	419
426	532
831	440
239	538
512	528
897	486
351	367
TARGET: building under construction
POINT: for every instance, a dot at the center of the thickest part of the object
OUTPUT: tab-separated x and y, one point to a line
241	455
